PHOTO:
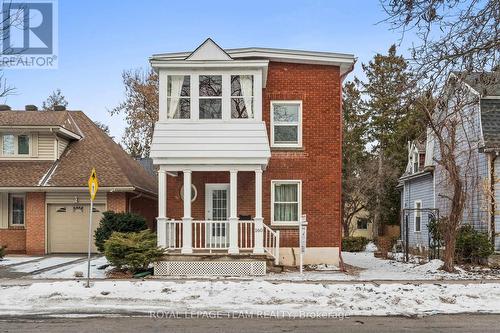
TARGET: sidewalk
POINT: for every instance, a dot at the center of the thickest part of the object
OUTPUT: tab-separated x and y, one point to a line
65	298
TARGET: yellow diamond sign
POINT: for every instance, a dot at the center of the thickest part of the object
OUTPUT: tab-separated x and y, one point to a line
93	184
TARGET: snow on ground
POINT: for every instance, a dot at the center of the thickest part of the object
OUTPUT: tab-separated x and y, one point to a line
250	297
13	260
46	262
68	272
381	269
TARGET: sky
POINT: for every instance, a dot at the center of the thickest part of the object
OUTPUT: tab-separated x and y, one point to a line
98	40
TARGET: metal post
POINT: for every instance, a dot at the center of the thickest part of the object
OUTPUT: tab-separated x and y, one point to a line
407	238
90	237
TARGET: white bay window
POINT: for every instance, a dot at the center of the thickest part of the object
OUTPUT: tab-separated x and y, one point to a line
220	95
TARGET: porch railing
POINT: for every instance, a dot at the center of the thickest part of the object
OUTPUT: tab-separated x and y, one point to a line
272	243
214	236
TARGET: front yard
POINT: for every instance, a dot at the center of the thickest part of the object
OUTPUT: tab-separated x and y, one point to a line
371	286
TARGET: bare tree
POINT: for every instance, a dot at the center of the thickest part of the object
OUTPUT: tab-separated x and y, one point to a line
140	108
457	38
55	99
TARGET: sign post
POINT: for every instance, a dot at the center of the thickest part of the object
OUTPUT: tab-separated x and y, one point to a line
93	186
302	240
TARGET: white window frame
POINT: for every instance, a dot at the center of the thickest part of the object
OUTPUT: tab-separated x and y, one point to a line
298	123
16	145
231	97
416	161
419	212
299	198
182	97
226	94
221	97
11	210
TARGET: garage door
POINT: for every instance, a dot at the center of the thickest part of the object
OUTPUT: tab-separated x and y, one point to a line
68	227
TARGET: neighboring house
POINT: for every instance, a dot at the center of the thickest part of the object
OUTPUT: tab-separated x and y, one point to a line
45	161
249	189
422	183
361	225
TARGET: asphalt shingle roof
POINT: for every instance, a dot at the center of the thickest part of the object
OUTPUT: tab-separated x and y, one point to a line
490	121
115	168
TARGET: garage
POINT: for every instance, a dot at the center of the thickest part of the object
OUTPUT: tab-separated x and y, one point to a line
68	227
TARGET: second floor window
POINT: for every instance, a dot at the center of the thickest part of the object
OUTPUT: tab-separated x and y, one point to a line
241	96
210	96
286	123
15	145
178	97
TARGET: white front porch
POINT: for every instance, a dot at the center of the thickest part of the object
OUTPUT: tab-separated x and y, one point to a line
221	232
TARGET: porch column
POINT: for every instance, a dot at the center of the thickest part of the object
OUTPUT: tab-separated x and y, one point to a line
161	220
187	220
233	213
258	220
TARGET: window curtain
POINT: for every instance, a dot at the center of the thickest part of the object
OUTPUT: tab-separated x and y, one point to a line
286	202
176	82
246	83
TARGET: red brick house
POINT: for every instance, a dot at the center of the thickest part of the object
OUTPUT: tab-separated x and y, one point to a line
253	137
45	160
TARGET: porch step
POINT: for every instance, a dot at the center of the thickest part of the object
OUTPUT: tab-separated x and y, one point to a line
214	265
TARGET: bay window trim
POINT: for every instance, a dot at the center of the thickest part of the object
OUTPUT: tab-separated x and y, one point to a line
226	97
297	123
297	182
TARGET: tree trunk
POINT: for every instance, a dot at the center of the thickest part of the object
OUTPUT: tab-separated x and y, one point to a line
449	251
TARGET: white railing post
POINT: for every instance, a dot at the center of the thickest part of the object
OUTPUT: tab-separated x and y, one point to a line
187	220
258	220
233	216
277	249
161	224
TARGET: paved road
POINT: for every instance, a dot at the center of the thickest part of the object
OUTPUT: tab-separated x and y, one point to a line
441	323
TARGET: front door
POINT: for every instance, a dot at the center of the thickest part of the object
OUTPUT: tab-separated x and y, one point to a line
217	212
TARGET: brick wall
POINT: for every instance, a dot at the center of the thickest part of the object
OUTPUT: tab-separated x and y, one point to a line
146	207
318	165
35	223
14	239
117	201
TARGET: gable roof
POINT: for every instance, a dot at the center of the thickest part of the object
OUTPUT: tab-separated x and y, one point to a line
209	50
485	84
490	122
115	168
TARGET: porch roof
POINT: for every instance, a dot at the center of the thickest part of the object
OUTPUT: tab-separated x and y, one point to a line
205	143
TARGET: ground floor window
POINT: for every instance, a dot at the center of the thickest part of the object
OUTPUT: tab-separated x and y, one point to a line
16	207
286	202
362	224
418	215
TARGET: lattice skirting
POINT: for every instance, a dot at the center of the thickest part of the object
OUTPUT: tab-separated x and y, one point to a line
211	268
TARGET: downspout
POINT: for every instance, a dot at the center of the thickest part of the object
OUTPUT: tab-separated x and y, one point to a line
492	200
130	201
342	77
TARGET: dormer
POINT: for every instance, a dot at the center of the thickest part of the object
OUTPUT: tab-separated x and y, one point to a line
35	135
208	85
